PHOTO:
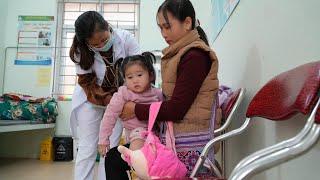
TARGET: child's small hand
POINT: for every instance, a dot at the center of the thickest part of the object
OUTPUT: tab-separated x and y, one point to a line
102	148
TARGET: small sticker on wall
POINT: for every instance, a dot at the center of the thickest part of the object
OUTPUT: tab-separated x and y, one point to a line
43	77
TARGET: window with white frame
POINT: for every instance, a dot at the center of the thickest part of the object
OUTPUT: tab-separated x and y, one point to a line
122	14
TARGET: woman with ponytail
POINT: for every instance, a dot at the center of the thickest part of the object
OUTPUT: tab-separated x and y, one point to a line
95	50
189	83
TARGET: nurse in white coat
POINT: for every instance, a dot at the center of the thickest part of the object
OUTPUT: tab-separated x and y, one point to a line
96	48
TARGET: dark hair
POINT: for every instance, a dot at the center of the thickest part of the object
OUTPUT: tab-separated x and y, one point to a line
85	26
181	9
145	60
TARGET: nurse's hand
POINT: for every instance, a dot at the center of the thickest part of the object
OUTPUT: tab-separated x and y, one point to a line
128	111
102	148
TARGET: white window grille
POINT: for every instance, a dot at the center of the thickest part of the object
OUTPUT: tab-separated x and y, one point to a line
122	14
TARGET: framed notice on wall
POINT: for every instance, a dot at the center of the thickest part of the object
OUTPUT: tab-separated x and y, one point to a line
35	36
222	10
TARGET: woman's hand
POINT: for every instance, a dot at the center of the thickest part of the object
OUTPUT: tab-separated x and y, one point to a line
128	111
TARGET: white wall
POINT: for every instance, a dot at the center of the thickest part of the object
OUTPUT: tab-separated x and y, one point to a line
150	36
29	7
26	80
27	143
262	39
3	15
23	144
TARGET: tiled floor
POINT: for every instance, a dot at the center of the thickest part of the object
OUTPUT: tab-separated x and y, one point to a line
33	169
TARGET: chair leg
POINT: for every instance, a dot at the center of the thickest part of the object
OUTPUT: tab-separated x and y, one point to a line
223	158
210	144
288	143
213	167
278	157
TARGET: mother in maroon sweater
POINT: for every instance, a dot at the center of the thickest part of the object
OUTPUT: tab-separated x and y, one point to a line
189	82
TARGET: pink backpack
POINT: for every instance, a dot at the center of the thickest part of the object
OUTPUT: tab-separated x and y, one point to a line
161	160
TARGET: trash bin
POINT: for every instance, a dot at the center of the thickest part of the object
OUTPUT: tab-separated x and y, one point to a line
63	148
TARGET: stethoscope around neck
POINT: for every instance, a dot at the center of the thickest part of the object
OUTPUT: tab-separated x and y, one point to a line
105	59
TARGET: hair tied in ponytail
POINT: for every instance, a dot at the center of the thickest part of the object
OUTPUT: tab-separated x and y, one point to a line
149	57
197	23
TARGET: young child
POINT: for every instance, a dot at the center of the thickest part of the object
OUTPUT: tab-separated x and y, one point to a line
139	75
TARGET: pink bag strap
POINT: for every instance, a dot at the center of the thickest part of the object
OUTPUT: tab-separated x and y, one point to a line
153	113
170	139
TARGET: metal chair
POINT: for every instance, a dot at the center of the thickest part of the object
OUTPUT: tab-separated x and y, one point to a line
228	111
282	97
292	92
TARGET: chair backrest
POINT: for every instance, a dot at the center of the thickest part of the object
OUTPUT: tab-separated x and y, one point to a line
287	94
226	109
291	92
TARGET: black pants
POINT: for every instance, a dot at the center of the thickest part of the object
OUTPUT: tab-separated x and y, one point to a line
115	166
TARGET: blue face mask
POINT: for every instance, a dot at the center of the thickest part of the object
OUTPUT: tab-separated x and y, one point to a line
106	47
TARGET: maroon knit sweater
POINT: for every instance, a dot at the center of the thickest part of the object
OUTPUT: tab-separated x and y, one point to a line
193	68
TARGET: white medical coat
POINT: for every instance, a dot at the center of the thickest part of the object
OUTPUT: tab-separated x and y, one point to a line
124	45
